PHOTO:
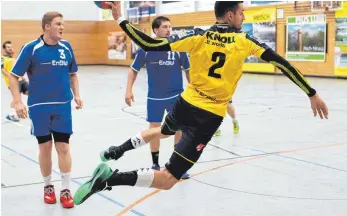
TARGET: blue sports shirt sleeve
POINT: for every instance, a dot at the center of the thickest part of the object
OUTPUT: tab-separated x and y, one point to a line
139	61
22	64
184	60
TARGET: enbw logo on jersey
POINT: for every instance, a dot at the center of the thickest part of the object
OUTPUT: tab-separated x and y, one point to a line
166	63
59	63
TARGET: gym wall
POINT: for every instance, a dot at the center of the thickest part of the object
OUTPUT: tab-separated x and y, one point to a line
89	37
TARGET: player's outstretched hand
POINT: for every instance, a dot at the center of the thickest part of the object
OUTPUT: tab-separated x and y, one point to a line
21	110
79	103
319	106
116	9
128	98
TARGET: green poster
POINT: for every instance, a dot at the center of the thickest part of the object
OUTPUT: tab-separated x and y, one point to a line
306	38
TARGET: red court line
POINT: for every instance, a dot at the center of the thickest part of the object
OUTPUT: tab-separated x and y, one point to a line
132	205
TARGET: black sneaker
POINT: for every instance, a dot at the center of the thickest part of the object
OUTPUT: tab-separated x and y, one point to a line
111	153
96	184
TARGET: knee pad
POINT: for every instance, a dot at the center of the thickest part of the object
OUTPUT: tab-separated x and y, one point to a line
61	137
166	130
178	165
44	139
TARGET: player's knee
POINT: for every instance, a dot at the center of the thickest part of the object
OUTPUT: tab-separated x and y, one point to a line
62	148
169	182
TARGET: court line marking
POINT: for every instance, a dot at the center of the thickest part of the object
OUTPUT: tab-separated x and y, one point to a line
55	172
142	199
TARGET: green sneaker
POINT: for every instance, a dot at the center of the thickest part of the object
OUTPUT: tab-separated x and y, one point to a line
236	127
217	133
95	184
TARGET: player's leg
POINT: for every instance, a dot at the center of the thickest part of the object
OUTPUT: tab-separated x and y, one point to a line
169	106
40	128
155	112
232	113
61	131
12	115
198	127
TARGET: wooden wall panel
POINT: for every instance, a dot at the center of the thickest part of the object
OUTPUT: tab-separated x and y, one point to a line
82	35
89	39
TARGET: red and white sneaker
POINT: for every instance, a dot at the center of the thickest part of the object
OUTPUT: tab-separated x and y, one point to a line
49	194
66	199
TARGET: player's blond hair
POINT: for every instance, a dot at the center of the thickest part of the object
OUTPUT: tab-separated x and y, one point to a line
48	17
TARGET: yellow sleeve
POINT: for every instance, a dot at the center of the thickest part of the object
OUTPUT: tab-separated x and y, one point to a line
172	43
255	47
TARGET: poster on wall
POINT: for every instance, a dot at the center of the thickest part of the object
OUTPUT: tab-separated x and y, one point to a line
140	11
117	48
261	25
341	42
182	31
306	38
135	47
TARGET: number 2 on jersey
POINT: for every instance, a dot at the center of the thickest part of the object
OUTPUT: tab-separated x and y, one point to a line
220	63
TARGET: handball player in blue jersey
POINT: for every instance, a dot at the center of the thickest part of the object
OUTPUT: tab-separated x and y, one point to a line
165	82
51	68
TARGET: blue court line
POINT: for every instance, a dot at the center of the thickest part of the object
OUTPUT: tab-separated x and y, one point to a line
72	180
304	161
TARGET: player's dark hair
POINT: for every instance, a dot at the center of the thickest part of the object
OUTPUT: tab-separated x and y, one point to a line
48	17
223	7
158	20
4	44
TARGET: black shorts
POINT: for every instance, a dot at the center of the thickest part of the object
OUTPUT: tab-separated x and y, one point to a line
23	87
198	127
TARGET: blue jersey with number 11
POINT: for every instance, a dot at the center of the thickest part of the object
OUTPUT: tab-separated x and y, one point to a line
164	71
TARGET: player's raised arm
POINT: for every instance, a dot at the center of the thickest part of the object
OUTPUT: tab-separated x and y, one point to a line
264	52
147	43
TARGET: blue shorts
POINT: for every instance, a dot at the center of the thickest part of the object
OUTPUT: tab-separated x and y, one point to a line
50	117
156	108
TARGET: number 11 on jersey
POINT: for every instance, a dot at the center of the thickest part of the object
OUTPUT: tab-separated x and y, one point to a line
171	55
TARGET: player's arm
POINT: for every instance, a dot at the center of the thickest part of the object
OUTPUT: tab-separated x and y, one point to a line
172	43
262	51
267	54
136	66
20	67
74	81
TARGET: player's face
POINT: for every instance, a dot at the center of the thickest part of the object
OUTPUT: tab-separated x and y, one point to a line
164	30
8	49
56	29
236	19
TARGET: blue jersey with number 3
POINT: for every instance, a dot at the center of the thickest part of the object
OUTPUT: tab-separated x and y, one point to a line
164	71
48	68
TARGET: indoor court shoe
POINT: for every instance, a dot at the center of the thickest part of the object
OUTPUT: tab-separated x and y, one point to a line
185	176
112	153
217	133
236	127
96	184
156	167
12	118
49	194
66	199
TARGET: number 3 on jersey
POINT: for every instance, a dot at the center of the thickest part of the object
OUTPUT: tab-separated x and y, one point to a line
219	58
62	54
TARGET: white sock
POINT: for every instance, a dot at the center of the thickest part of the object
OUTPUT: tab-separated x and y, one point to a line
137	141
65	179
145	178
47	180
